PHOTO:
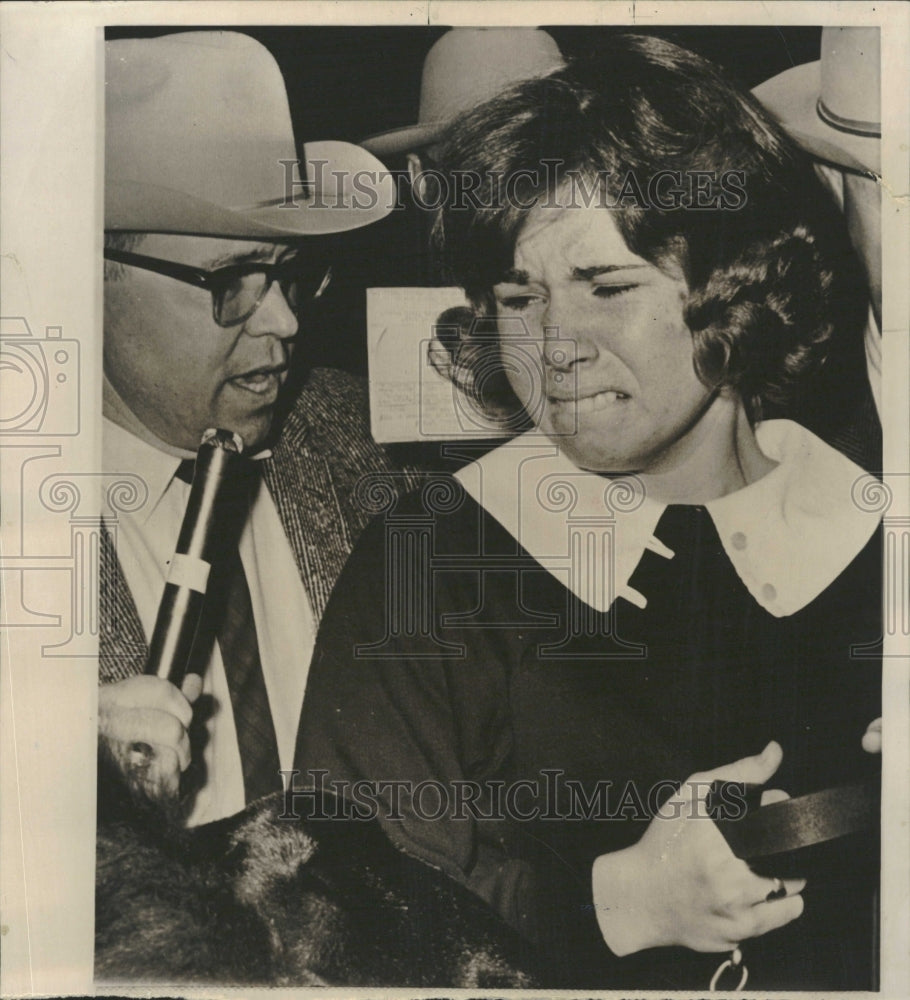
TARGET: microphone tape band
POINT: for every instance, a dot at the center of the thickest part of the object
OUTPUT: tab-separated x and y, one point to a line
189	571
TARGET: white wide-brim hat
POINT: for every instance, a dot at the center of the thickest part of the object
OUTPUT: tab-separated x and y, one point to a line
466	68
832	107
198	140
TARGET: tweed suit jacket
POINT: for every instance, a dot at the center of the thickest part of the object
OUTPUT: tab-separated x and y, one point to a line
324	450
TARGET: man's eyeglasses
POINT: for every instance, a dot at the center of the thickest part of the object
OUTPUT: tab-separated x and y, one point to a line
239	289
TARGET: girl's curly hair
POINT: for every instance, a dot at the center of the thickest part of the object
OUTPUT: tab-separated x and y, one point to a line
770	273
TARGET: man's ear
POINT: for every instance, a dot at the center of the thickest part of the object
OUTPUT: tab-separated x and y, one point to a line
415	165
415	169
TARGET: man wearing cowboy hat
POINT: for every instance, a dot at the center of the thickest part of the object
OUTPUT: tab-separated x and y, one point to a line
832	108
206	277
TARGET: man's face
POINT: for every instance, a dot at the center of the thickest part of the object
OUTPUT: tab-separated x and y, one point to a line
174	366
615	384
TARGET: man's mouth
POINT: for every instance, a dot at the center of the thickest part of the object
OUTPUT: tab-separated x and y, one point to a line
263	381
591	403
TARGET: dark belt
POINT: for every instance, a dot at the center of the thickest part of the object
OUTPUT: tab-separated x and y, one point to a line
803	821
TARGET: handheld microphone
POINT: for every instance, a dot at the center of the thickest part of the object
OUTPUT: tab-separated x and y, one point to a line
201	533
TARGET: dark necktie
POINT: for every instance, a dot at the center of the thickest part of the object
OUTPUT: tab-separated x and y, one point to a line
228	618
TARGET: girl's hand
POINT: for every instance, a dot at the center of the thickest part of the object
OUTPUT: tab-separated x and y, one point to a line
682	885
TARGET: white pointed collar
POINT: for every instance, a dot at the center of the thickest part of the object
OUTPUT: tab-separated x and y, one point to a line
788	535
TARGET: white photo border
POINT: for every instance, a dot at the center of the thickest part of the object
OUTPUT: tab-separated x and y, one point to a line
51	138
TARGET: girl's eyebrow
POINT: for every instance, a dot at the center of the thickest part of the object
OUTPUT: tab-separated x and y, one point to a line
514	277
587	273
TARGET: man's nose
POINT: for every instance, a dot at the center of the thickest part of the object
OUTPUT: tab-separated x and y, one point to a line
274	316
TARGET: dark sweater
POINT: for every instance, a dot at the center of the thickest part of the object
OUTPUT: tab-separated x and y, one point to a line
516	679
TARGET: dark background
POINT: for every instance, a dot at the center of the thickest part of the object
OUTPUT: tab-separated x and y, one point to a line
351	82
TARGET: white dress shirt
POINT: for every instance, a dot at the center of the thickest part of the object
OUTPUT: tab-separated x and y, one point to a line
285	624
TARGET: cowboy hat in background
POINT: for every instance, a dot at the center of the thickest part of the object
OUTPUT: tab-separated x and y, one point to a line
466	67
198	140
832	107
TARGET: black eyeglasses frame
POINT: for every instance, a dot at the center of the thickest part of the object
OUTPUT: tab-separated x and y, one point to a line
216	281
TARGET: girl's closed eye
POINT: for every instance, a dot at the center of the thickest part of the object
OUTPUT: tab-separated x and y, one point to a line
518	303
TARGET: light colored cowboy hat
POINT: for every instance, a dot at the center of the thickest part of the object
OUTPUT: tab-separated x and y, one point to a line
198	139
832	107
465	68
